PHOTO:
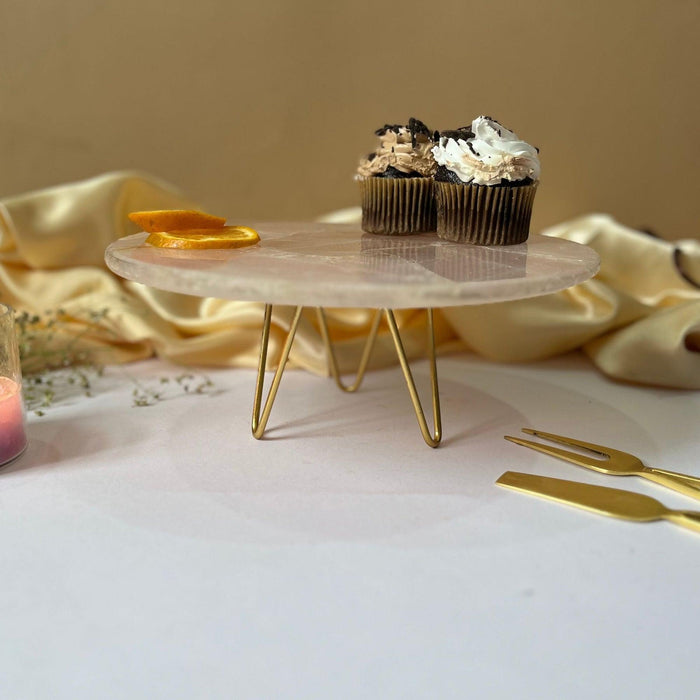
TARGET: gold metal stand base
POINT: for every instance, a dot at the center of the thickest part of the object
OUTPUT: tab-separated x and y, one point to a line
261	413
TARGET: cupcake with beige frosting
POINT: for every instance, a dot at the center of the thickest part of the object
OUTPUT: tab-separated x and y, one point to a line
485	184
396	183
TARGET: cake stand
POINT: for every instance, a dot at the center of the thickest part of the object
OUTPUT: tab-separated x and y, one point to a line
321	265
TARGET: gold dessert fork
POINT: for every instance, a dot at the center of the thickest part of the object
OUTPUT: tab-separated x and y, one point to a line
610	461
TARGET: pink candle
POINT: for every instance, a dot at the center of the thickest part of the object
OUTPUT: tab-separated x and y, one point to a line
12	436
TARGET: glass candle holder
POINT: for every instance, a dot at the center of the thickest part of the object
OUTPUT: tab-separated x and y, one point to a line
13	438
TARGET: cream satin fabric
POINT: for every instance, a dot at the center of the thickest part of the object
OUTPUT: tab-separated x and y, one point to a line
638	320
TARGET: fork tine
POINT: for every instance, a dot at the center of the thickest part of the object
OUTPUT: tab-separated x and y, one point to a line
598	449
573	457
617	456
611	459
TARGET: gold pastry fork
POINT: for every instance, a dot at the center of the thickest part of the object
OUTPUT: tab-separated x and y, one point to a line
609	461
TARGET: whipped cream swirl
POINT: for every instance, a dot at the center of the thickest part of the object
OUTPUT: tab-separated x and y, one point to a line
487	154
405	148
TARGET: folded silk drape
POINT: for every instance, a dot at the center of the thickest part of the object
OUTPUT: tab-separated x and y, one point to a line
638	319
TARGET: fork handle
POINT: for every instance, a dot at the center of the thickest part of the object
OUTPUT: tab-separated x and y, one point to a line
685	518
688	486
686	477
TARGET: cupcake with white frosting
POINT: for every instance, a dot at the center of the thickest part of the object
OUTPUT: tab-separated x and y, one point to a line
485	184
396	183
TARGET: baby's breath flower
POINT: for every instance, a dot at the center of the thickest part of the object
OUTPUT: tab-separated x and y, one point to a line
55	362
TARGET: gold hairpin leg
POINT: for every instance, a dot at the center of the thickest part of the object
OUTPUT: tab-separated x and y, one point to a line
261	413
432	440
260	417
330	353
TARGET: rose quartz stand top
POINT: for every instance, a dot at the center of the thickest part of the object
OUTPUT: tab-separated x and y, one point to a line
321	264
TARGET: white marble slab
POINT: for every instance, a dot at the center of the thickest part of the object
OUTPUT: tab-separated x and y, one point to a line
321	264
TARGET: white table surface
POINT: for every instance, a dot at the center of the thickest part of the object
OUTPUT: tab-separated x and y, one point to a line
162	552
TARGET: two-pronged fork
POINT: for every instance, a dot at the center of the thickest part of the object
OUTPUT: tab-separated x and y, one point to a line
610	461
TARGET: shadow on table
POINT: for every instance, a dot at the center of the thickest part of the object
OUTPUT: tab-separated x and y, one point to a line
43	449
357	414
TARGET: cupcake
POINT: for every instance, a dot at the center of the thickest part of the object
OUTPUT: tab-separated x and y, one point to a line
396	181
485	184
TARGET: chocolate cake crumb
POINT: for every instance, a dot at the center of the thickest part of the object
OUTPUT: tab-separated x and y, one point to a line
442	174
392	172
388	127
464	133
416	126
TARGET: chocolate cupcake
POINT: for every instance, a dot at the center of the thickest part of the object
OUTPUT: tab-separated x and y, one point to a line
485	184
396	183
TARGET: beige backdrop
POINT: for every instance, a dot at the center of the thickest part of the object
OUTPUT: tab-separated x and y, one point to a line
261	110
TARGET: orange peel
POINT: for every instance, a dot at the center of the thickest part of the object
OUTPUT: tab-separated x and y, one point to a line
175	220
199	239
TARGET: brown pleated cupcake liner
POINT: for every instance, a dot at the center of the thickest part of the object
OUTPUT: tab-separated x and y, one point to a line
397	205
483	214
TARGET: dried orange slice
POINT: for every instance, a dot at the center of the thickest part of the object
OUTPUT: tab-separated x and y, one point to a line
226	237
175	220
